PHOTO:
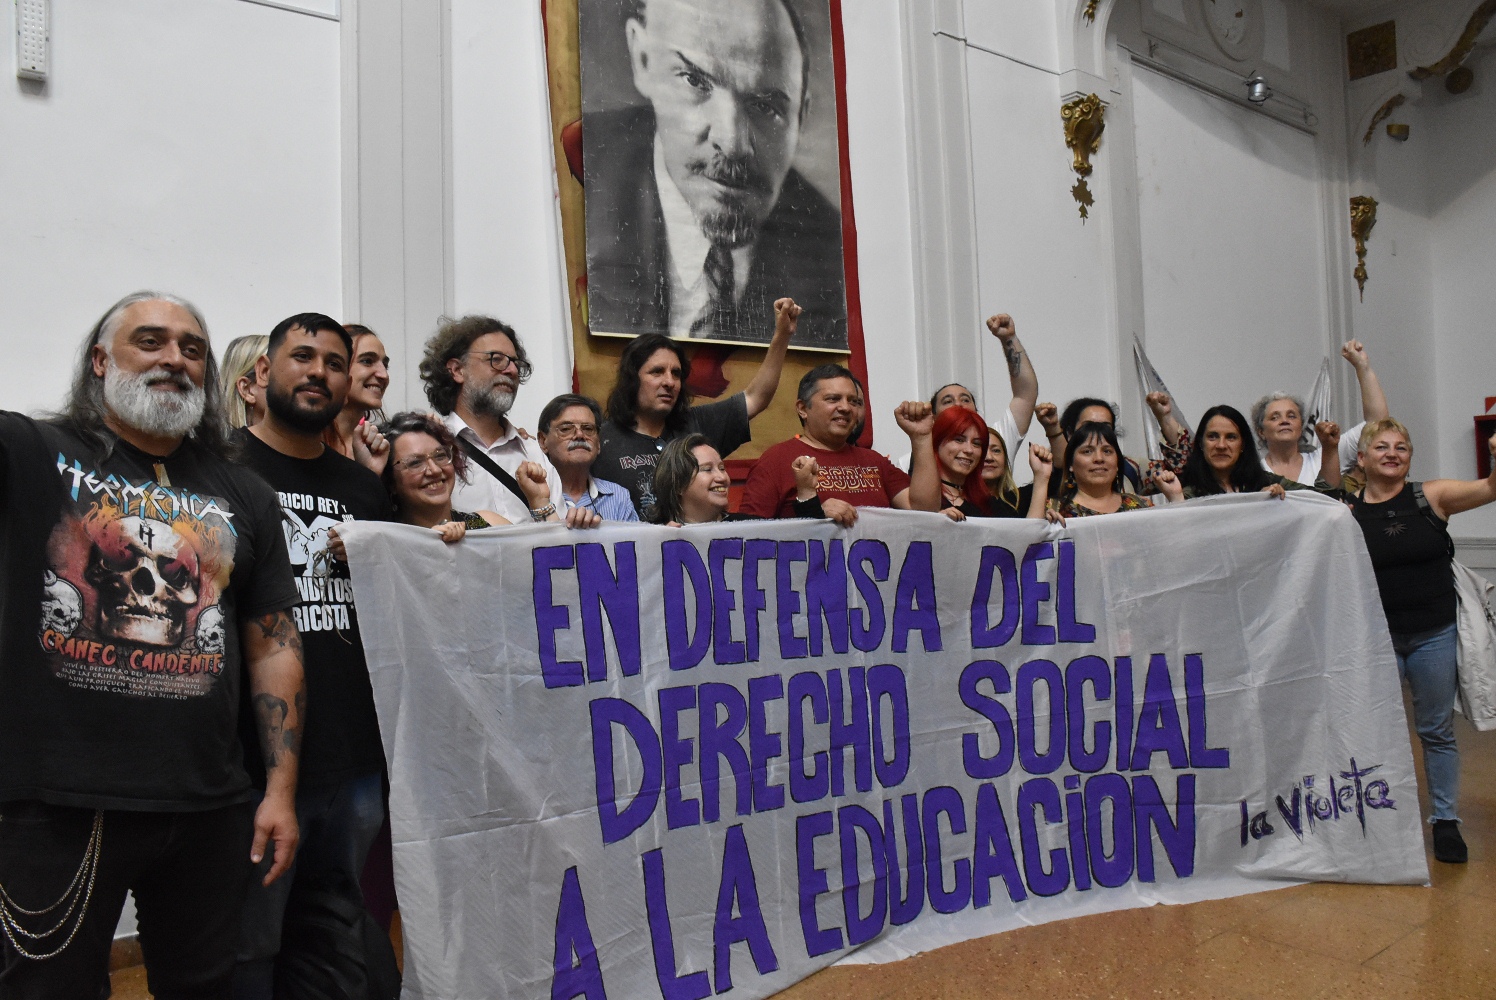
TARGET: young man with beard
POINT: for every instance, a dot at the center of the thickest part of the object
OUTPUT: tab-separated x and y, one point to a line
472	369
146	585
569	437
304	378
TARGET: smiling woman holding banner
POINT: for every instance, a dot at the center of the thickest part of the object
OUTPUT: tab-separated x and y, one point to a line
1093	479
691	486
1407	536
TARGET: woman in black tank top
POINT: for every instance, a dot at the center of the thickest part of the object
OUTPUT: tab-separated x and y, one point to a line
1408	541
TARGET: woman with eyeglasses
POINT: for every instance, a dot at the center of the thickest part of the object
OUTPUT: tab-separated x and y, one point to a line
425	464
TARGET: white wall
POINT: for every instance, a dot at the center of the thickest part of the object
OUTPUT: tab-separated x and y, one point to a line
1037	259
1233	254
190	145
505	228
877	139
1461	140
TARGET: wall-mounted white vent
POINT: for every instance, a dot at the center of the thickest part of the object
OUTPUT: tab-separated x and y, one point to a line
32	26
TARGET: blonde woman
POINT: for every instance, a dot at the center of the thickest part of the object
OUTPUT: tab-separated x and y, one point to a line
236	380
1407	537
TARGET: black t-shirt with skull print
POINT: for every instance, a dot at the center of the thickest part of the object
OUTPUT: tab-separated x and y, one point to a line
125	581
342	730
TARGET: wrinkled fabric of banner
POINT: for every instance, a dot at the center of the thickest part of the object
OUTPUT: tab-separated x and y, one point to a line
651	762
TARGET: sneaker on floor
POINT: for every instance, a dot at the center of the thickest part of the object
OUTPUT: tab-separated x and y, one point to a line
1449	846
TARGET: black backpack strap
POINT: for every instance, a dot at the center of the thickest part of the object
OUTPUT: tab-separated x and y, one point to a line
493	469
1427	510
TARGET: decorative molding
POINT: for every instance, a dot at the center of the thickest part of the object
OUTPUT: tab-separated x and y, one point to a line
1383	113
1462	47
1363	218
1085	120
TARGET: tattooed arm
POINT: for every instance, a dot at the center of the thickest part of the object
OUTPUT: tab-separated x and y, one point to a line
1021	377
272	656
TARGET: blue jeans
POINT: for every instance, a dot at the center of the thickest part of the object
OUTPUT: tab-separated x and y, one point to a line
338	825
1427	661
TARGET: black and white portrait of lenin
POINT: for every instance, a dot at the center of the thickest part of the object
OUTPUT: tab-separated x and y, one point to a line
710	162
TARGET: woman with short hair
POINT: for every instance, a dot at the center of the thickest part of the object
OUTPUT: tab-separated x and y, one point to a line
1407	537
1093	477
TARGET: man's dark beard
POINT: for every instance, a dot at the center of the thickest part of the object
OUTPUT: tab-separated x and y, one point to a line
282	403
734	220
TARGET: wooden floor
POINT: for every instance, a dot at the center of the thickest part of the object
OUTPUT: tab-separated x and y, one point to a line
1310	942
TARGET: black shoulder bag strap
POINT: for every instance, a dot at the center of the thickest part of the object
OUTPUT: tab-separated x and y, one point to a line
493	469
1427	510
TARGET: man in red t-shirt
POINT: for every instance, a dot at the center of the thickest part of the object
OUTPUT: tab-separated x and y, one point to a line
830	408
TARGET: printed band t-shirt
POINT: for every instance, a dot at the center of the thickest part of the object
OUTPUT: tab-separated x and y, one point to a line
341	738
860	476
629	458
126	581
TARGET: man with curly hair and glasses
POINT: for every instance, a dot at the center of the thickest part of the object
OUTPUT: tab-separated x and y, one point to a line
472	369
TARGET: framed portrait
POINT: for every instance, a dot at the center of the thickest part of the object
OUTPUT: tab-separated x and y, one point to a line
711	169
673	222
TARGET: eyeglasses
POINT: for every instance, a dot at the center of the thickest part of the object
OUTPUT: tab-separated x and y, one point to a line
498	361
416	463
568	429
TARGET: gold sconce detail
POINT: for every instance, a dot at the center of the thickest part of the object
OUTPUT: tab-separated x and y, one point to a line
1363	218
1462	47
1085	120
1090	11
1383	113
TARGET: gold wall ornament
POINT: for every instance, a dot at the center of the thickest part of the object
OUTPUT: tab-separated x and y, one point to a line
1371	50
1363	218
1462	47
1090	11
1085	120
1383	113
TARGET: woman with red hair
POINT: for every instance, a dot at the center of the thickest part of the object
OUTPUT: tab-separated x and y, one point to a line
961	439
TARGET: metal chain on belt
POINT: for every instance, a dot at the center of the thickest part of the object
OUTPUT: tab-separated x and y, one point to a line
77	896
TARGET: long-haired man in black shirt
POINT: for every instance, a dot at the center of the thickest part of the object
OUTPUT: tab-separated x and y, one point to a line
145	587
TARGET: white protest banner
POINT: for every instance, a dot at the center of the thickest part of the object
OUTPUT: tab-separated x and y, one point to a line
652	762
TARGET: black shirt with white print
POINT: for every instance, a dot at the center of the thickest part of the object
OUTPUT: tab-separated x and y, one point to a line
341	738
127	579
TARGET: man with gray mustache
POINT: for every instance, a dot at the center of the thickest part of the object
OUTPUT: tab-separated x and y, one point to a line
696	220
570	437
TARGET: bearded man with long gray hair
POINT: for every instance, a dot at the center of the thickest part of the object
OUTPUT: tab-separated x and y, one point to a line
146	580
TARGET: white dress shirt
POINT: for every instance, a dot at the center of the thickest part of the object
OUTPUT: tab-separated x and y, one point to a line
482	491
689	291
